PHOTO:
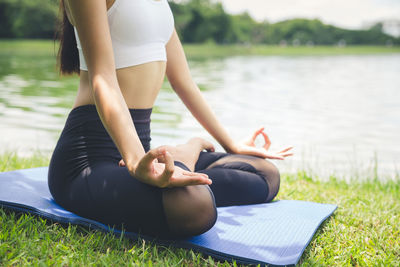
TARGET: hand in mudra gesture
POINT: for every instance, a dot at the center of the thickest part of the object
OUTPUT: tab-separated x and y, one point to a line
248	147
166	174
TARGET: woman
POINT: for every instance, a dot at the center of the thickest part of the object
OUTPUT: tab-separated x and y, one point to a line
103	168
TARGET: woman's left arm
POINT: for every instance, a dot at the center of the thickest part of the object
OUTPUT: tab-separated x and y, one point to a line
179	76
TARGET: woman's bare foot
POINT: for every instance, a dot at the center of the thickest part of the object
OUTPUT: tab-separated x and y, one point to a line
189	153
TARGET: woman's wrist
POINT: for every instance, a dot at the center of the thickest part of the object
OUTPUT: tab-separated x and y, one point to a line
226	141
131	167
132	164
230	148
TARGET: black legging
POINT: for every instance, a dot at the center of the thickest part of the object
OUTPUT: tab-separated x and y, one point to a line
85	178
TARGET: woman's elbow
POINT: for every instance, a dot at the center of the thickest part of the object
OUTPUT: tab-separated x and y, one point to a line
102	85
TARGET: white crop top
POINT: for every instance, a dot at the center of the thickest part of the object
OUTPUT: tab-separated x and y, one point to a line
139	31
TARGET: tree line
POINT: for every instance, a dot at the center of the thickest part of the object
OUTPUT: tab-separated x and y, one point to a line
200	21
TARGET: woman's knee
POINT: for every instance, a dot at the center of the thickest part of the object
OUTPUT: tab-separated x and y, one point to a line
189	210
262	167
268	172
272	177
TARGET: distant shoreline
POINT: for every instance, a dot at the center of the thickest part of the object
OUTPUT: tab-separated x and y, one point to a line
215	50
193	50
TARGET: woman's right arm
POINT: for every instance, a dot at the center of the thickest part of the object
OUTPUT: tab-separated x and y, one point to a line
91	22
90	19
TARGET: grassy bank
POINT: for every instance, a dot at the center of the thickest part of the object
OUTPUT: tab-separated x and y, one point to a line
364	230
201	50
28	46
212	50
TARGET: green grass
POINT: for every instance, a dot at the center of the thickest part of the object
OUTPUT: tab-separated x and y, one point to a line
28	46
207	50
364	230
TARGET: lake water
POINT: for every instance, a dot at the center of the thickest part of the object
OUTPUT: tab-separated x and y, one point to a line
341	113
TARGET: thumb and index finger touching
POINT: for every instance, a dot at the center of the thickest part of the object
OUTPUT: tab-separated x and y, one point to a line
279	155
265	136
168	163
169	177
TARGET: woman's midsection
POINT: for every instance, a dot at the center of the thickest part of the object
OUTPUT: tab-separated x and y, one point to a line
139	85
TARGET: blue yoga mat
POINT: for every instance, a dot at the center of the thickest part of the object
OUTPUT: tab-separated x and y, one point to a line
274	233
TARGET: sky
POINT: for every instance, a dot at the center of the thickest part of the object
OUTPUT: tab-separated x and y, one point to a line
351	14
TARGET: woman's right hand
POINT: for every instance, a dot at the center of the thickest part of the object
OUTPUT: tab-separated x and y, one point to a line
148	170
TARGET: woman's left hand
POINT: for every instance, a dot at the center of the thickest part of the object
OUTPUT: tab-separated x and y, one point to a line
248	147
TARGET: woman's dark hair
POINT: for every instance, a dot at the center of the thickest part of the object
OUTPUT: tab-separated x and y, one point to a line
67	56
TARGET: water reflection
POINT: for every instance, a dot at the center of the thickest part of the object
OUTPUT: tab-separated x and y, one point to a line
342	113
